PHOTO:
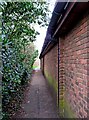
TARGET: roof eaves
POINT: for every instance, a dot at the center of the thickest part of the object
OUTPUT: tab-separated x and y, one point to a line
61	18
64	18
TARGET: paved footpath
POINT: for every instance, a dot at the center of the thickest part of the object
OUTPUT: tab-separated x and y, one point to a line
38	102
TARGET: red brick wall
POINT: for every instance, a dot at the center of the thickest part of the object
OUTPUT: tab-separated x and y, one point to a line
74	63
42	64
88	65
51	69
51	59
73	70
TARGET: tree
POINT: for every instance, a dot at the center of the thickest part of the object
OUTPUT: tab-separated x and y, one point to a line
18	34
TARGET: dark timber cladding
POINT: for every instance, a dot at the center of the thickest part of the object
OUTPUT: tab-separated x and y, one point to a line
64	58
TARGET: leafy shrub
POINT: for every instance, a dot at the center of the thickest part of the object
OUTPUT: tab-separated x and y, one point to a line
18	52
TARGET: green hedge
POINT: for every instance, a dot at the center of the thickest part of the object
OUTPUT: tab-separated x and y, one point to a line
18	51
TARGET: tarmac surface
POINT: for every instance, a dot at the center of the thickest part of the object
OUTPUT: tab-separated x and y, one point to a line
38	102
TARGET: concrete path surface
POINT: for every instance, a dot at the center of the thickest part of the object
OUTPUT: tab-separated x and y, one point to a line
38	102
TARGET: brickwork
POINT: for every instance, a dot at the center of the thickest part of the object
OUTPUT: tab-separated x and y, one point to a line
61	77
73	70
73	67
51	68
42	65
88	64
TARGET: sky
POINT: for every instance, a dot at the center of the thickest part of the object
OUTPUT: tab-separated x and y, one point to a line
40	38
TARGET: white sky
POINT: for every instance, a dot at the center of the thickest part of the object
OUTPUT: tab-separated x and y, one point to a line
40	39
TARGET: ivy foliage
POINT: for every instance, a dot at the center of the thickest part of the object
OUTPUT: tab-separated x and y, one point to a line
18	35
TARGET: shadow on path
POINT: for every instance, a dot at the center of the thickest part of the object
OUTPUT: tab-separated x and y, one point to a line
38	102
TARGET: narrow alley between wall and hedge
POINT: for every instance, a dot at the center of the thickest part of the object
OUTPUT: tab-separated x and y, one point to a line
37	102
60	89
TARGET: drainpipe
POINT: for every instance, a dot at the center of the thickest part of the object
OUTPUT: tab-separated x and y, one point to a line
58	72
